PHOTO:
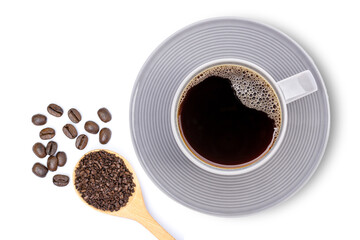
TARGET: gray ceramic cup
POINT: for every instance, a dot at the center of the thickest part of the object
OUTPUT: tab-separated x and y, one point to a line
287	90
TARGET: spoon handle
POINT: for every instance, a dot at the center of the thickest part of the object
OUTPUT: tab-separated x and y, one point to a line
150	224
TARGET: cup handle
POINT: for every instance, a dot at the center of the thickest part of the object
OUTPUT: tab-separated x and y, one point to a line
297	86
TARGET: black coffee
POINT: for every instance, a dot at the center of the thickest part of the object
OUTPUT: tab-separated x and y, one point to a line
229	116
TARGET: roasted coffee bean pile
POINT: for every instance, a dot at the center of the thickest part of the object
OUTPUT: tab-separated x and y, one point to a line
70	131
103	181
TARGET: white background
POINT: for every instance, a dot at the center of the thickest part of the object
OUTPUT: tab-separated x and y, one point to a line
86	54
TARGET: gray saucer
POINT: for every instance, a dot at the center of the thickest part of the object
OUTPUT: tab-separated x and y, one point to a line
283	175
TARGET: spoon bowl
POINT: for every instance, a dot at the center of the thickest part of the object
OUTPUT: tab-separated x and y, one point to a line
135	208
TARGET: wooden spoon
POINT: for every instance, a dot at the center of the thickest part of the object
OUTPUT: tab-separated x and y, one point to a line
135	208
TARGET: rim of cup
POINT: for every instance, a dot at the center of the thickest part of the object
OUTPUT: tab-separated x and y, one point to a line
262	159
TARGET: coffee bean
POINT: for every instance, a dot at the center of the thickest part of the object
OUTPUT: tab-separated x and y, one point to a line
39	150
81	142
61	157
74	115
91	127
38	119
60	180
52	163
70	131
55	110
51	148
39	170
104	114
105	135
47	133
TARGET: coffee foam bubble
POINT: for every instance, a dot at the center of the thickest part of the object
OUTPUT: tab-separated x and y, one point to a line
250	87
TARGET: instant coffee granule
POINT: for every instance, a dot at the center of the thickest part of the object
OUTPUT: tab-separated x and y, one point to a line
103	181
